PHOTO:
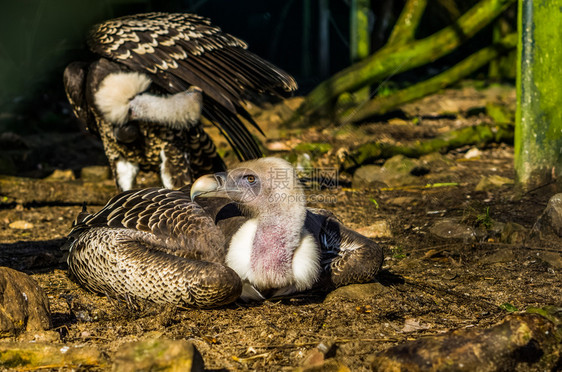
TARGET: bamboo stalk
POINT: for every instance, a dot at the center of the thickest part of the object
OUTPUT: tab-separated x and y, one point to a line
393	59
381	105
405	28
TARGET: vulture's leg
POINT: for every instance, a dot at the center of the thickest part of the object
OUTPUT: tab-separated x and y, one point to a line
357	258
125	173
130	264
175	167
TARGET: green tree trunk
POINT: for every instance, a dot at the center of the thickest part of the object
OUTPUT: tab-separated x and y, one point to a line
538	134
360	41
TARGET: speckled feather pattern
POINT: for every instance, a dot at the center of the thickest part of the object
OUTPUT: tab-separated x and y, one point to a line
156	245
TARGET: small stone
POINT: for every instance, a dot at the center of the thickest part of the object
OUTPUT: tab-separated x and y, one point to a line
21	225
473	153
413	325
23	304
403	201
355	292
501	256
492	182
314	358
95	173
41	355
61	175
513	233
380	229
394	173
451	229
435	159
277	146
551	218
551	258
158	354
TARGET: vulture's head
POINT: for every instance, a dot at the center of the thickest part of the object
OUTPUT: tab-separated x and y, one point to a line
263	188
272	251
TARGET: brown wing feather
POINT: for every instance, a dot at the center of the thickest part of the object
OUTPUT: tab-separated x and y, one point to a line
178	50
182	226
74	80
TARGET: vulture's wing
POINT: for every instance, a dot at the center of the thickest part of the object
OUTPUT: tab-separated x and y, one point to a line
74	79
183	227
347	256
180	50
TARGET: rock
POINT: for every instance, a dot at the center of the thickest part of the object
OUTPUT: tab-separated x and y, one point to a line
21	225
451	229
23	304
95	173
551	218
520	342
61	175
501	256
404	201
356	292
400	163
31	356
413	325
277	146
492	182
435	159
316	358
551	258
473	153
158	355
396	171
513	233
380	229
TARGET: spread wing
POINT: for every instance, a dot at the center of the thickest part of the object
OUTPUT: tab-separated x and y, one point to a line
179	50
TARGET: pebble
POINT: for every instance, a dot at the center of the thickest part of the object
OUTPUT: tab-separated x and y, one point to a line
551	218
61	175
95	173
492	182
21	225
355	292
451	229
380	229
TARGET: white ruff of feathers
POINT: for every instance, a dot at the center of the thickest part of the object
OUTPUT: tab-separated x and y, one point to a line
115	93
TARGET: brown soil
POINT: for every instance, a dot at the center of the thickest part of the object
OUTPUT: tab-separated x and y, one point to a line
429	285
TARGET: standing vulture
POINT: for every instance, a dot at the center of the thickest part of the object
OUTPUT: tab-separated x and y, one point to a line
156	74
244	233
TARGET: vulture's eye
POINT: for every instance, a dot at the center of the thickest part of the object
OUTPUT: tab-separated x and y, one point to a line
250	178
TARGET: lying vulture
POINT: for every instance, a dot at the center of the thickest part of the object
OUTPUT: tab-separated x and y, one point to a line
243	233
155	75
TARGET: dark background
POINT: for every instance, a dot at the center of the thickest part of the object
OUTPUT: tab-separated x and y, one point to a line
38	38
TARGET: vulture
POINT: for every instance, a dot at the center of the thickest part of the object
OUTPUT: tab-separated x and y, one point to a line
154	76
245	233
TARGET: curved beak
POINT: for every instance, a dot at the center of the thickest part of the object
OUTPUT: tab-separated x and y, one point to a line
209	185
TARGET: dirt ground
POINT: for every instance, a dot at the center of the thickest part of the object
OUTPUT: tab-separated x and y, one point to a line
428	284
